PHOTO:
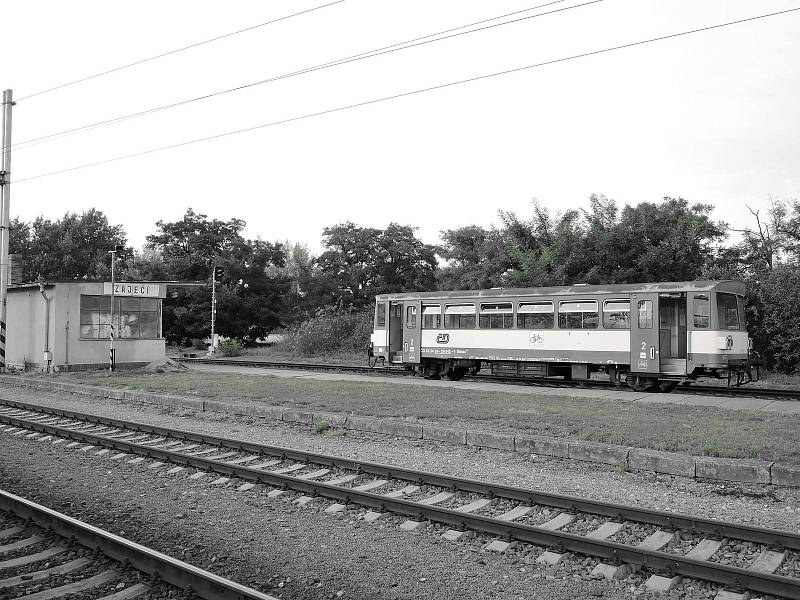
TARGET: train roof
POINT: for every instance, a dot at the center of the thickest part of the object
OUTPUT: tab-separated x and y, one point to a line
733	287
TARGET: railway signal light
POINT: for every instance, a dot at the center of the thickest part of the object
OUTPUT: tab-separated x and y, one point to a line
219	272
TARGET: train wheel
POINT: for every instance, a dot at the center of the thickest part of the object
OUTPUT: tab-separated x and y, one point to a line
456	373
667	386
641	384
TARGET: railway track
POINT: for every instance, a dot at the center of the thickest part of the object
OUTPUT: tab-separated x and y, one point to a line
45	554
703	389
622	538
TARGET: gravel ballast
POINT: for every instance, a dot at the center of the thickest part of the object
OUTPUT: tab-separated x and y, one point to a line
304	553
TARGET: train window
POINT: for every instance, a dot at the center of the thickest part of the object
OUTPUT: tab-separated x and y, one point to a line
578	315
535	315
727	311
645	311
411	317
380	314
459	316
617	314
431	316
496	316
701	312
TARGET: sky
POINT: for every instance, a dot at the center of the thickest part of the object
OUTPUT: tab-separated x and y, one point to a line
711	117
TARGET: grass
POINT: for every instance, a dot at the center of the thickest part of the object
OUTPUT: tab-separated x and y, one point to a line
694	430
276	354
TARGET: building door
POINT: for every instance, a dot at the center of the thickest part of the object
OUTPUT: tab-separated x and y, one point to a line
412	331
645	354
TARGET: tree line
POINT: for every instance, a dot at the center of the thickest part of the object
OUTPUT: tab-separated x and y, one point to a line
271	285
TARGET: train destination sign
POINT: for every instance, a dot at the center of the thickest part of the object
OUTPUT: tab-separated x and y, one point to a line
138	289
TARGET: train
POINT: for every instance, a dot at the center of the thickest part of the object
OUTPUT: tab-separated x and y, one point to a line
647	335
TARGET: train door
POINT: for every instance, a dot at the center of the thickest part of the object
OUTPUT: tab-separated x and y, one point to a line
645	354
672	326
412	331
395	332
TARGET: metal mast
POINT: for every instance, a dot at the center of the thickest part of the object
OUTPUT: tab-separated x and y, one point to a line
5	201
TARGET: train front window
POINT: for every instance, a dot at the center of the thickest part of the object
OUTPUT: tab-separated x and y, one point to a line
727	311
431	316
578	315
380	315
535	315
617	314
701	311
496	316
459	316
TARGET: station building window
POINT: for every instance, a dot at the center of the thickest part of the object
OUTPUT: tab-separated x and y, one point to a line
535	315
701	311
582	314
459	316
431	316
727	311
617	314
498	315
134	318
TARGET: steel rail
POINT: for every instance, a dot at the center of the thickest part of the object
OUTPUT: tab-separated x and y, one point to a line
171	570
669	520
619	553
700	390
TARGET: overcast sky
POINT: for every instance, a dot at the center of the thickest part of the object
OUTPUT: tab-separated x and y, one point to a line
712	117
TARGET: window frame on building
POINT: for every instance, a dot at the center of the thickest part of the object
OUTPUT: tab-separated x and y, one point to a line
95	316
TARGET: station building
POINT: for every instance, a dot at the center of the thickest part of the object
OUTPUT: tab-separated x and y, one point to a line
67	325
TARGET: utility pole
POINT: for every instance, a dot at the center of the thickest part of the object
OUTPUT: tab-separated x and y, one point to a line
213	304
5	201
111	361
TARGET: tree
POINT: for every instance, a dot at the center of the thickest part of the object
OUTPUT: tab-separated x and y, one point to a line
73	247
251	294
360	262
779	324
190	245
669	241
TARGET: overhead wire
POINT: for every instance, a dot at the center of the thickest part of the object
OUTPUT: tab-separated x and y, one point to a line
412	43
177	50
415	92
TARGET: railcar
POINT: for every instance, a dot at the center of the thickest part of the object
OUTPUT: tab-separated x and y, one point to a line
644	335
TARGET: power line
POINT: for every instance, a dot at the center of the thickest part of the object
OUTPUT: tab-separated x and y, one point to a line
414	92
175	51
341	61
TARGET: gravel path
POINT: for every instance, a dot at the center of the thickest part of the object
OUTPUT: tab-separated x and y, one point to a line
304	553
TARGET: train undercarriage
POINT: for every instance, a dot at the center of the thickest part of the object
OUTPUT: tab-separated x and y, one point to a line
456	369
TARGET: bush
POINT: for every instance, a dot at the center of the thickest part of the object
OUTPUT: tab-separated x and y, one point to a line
230	347
780	318
199	344
333	329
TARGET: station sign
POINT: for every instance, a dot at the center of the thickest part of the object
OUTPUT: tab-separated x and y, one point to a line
137	289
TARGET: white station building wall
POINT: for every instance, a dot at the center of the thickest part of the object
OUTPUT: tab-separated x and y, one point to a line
78	339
